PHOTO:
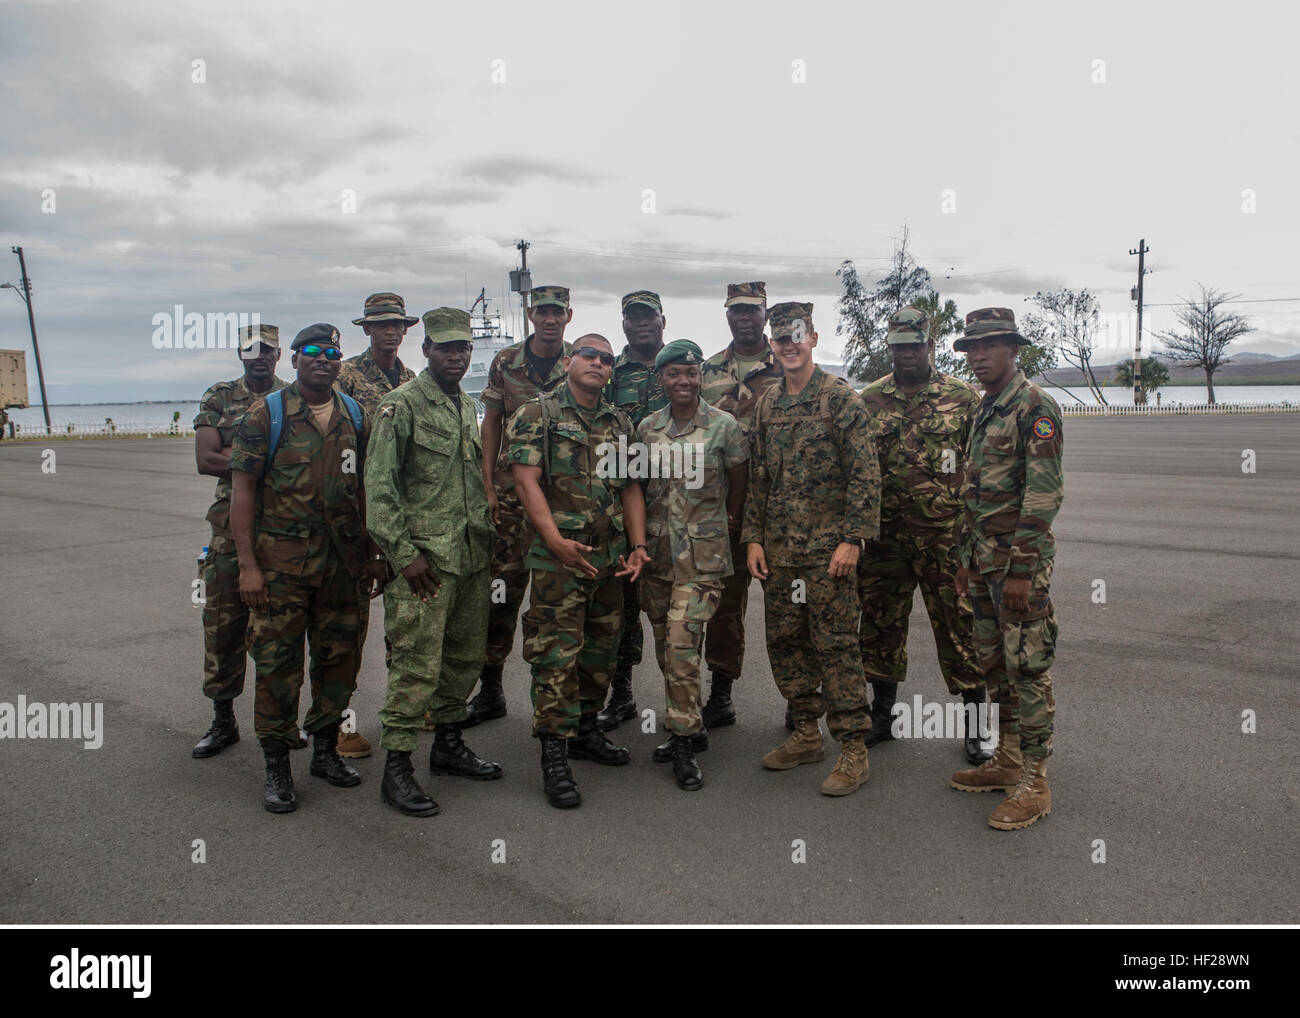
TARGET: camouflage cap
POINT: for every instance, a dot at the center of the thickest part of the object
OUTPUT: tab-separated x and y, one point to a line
679	351
987	323
322	333
447	325
908	325
384	307
251	335
540	295
788	318
647	297
746	293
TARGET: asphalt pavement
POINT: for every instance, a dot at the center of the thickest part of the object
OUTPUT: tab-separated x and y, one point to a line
1195	818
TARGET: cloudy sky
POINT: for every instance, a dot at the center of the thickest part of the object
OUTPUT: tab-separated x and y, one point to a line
227	194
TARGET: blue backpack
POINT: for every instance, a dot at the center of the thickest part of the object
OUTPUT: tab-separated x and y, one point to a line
275	404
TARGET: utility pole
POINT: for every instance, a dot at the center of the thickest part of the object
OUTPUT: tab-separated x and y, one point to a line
1142	249
31	322
521	281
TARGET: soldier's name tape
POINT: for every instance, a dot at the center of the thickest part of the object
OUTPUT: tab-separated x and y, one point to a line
920	720
640	461
25	720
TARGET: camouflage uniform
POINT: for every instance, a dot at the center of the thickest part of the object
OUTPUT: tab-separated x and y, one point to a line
225	616
510	385
424	495
572	623
635	389
310	545
921	440
690	554
722	387
814	480
1014	488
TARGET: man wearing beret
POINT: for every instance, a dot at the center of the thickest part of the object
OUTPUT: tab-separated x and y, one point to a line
225	616
921	420
517	374
426	508
732	380
814	502
1014	488
694	478
583	515
368	378
297	513
635	389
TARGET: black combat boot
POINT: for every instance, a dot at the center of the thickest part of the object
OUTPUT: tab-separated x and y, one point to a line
557	779
326	762
685	768
719	711
489	702
400	789
591	744
622	704
664	751
280	796
450	755
224	731
882	712
975	751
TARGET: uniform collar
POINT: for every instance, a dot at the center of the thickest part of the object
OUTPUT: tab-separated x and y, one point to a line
813	387
520	359
296	406
663	420
1013	389
432	390
932	386
566	399
370	366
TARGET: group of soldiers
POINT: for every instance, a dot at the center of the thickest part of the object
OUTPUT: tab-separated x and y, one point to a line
362	478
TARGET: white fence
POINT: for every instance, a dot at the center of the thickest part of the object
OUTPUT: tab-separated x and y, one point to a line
103	430
1074	409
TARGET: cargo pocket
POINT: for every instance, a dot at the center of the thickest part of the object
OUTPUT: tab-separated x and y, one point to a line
708	546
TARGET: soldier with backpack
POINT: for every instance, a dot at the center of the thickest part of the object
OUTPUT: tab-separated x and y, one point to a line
297	515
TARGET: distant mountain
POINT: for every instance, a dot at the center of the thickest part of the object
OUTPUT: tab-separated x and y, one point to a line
1245	369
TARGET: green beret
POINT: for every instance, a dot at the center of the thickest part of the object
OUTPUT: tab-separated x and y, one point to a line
679	351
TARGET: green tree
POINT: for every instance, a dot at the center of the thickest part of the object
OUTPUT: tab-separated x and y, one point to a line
1207	331
1154	375
945	322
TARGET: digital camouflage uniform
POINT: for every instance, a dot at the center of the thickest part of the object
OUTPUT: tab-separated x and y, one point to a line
1014	488
814	480
572	623
362	379
510	385
921	441
635	389
690	552
424	495
722	387
311	547
225	616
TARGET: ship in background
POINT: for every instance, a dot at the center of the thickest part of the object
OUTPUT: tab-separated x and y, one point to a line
490	338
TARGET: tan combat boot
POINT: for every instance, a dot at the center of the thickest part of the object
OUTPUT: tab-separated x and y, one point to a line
352	745
851	769
1001	774
1030	800
804	746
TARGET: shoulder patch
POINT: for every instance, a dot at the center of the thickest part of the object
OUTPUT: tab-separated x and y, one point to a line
387	410
1044	427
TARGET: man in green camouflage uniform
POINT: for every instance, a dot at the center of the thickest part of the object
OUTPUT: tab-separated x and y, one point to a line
368	378
580	510
517	374
300	571
635	389
427	510
225	616
732	380
813	502
921	421
1014	488
694	478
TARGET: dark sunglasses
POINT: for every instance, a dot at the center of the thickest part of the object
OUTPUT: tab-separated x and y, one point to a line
591	353
332	353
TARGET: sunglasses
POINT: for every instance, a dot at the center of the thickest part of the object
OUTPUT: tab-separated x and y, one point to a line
332	353
591	353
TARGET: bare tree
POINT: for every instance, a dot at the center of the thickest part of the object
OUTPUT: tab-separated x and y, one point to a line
1069	323
1206	332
